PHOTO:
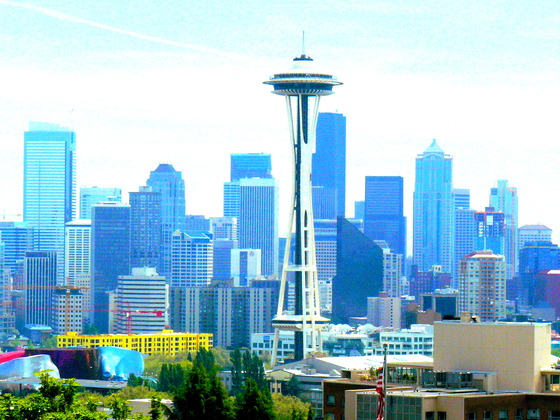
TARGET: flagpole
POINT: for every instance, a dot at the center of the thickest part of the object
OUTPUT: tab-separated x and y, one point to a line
385	374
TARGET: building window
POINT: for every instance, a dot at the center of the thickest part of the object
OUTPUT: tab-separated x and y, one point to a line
486	415
442	415
503	415
430	415
554	415
518	414
533	413
330	400
471	416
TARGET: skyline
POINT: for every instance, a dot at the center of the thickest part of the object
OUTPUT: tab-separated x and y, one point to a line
480	78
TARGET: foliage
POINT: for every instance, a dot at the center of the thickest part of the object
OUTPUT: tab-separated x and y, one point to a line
207	360
253	403
253	368
120	410
135	381
91	329
236	373
291	408
171	377
49	343
292	387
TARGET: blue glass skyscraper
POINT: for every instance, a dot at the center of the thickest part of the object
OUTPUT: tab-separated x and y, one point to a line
329	160
110	255
384	216
433	225
170	184
49	185
145	228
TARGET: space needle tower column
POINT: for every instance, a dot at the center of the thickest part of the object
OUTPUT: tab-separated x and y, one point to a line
302	87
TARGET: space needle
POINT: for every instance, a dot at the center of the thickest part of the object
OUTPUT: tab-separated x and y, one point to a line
302	86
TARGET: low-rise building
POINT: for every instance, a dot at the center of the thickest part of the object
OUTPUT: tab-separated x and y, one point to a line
167	341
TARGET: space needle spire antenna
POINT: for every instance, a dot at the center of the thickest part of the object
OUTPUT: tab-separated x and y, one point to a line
302	86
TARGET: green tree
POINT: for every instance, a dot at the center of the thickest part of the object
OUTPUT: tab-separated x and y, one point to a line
291	408
207	360
253	368
91	329
292	387
253	403
171	377
120	410
237	375
190	400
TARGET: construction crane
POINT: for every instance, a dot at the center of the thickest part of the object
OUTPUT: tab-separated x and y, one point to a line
128	315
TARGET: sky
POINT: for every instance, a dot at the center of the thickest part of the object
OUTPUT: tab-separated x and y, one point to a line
144	82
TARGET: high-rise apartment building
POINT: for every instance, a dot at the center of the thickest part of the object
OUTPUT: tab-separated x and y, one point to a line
384	311
258	220
49	185
191	258
359	272
110	255
250	165
384	216
145	228
392	270
141	302
482	285
329	159
232	314
95	195
433	225
221	266
40	276
170	184
504	198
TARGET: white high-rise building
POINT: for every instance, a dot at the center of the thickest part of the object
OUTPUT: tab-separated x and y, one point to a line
49	186
482	285
384	311
533	233
224	228
141	302
392	269
191	258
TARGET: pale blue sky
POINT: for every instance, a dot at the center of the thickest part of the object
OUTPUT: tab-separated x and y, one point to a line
144	82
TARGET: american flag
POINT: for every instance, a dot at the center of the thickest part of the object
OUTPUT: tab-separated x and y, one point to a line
381	397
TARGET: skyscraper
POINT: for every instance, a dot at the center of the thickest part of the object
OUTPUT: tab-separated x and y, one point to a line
170	184
433	225
145	228
250	165
18	238
359	272
245	266
110	255
40	279
191	259
482	285
490	228
258	220
392	270
94	195
504	198
465	228
527	233
49	185
535	257
329	159
384	216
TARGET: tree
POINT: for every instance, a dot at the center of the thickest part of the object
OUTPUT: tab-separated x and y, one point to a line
207	360
293	387
171	377
236	373
253	403
120	410
254	369
190	400
291	408
220	405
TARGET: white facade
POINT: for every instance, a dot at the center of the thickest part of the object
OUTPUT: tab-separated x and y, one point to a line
245	266
95	195
141	301
384	311
482	285
533	233
191	259
224	228
504	198
419	339
263	344
392	269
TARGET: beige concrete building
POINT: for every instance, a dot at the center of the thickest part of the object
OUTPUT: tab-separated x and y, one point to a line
515	351
384	311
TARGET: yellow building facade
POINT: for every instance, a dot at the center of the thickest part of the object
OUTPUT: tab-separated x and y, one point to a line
166	342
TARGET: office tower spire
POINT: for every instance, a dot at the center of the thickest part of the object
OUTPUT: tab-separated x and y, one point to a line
302	86
433	210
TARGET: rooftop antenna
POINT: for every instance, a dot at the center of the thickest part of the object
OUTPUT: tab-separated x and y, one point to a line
303	44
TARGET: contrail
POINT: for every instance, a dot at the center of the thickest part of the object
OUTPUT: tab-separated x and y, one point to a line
69	18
